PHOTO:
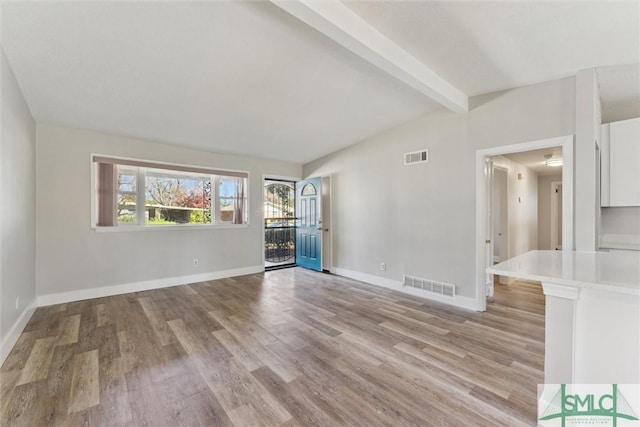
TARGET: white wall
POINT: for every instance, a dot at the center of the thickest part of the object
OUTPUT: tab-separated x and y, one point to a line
17	211
544	210
71	257
522	204
420	219
587	166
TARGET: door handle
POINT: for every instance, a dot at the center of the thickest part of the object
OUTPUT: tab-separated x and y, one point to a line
319	228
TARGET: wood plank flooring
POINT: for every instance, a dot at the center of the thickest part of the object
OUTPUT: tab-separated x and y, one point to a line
284	348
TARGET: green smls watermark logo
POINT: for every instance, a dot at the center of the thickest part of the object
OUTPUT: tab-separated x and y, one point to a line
588	405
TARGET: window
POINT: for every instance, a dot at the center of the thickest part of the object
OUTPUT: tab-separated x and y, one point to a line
127	195
309	190
132	192
177	198
229	192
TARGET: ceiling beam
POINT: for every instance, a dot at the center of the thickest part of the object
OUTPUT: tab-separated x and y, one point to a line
342	25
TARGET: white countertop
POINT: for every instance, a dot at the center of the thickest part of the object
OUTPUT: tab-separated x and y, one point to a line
607	271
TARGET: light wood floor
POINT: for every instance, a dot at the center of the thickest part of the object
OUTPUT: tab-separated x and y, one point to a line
288	347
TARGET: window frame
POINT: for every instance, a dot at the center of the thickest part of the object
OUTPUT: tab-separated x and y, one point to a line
136	195
217	204
140	225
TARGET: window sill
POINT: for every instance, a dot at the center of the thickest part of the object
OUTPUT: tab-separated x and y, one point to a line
135	228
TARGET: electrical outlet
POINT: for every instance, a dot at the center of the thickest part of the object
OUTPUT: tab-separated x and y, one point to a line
383	266
195	262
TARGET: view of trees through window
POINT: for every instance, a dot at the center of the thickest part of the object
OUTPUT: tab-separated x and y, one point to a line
171	199
175	197
280	202
127	194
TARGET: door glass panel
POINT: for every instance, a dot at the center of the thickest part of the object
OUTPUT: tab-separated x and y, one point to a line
309	190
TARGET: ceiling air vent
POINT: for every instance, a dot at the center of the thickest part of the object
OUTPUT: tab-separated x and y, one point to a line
415	157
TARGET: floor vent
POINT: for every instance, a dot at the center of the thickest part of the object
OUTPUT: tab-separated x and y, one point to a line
432	286
421	156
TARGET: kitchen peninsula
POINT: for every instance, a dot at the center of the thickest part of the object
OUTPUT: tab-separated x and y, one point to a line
592	313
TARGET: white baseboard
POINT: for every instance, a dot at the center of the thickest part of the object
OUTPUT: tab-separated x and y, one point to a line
457	301
14	333
105	291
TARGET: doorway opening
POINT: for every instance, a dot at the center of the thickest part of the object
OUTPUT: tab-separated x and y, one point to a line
279	224
524	192
528	198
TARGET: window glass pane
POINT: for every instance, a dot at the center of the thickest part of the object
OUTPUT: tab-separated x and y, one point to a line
177	198
228	187
126	209
127	178
226	195
232	199
126	200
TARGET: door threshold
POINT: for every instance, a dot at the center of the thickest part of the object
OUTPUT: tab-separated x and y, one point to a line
278	267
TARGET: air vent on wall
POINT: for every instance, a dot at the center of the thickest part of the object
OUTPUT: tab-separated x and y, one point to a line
432	286
421	156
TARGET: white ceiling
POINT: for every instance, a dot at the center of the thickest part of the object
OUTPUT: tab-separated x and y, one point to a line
248	78
222	76
485	46
619	91
535	159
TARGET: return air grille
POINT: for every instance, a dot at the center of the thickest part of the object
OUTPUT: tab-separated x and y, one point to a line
431	286
421	156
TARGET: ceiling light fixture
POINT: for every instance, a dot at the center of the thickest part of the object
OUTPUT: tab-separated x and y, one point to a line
551	162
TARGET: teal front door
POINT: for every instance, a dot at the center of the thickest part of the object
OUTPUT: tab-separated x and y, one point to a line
309	224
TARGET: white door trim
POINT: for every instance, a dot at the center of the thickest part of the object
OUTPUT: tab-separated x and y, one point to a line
567	144
327	262
488	243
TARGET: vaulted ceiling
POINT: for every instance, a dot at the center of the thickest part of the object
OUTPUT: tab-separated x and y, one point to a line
292	80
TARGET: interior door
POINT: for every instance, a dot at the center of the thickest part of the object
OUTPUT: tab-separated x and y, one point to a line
500	215
556	215
309	223
489	228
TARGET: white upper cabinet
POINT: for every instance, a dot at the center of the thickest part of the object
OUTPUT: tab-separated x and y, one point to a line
620	163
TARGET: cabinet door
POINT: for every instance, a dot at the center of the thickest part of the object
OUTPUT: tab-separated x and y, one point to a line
624	166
